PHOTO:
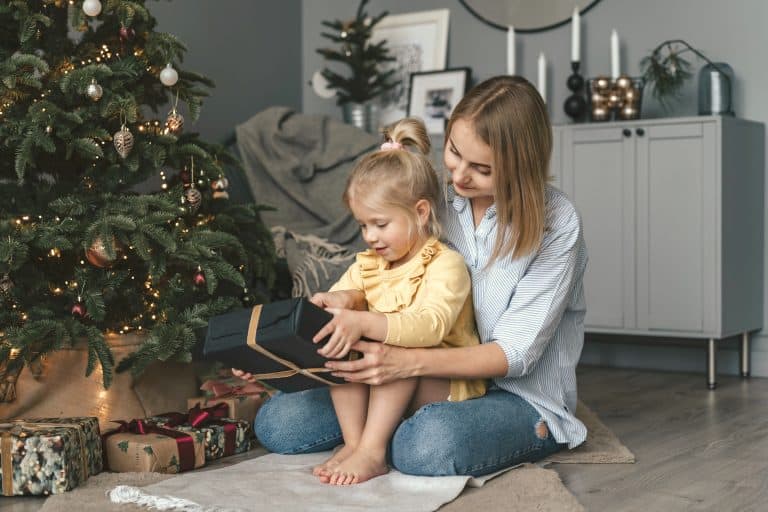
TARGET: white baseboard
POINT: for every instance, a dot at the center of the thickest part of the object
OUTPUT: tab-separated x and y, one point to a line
622	353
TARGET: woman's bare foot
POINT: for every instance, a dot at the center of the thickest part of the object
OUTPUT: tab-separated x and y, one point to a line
339	455
357	468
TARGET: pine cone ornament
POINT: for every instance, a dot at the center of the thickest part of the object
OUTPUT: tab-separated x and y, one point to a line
220	187
97	254
174	124
6	284
123	141
193	197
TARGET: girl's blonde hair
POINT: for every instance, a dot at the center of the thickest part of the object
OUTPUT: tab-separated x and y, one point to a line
399	177
508	114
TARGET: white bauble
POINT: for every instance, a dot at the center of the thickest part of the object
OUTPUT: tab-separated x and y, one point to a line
320	86
169	76
92	7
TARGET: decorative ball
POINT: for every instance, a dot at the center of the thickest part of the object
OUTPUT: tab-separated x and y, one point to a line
127	33
628	112
601	84
123	141
575	106
174	123
599	113
92	7
169	76
631	95
79	310
185	176
615	99
219	187
624	82
97	255
193	197
199	278
6	284
94	90
575	82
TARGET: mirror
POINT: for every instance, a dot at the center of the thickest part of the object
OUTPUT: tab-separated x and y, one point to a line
526	15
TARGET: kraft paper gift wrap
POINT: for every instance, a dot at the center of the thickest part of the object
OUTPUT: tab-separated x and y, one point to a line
48	455
156	450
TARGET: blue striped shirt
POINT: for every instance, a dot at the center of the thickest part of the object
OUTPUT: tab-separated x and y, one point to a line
532	307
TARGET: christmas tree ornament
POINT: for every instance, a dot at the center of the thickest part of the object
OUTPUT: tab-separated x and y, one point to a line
199	278
97	255
193	197
79	308
123	140
92	7
220	187
184	176
94	90
174	123
169	76
6	284
126	33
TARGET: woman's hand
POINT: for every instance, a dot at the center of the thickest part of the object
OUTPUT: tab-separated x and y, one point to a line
344	299
380	364
244	375
345	330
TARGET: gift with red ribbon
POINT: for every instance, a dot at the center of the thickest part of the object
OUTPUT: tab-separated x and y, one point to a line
244	400
222	436
141	445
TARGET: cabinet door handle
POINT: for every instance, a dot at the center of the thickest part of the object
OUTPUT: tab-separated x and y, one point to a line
627	132
640	132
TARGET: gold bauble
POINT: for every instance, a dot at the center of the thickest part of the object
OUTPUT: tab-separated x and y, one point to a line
631	95
629	112
97	255
174	124
615	99
623	82
602	83
219	187
599	113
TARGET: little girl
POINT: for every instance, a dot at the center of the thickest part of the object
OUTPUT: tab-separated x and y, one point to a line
417	292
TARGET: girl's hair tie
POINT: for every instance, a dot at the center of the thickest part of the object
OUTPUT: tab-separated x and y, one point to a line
390	145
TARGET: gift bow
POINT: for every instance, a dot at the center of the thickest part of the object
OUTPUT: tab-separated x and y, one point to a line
224	390
198	416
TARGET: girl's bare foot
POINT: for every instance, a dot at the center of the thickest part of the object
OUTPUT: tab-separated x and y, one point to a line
339	455
357	468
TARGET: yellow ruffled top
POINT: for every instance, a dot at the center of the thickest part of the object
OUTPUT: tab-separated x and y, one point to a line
427	302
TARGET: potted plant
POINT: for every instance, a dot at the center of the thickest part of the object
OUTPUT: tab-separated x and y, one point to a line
365	80
665	71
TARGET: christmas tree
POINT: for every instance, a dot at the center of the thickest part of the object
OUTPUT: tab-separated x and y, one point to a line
83	91
366	79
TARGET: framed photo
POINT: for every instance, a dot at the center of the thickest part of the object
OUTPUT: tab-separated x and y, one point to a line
434	94
419	42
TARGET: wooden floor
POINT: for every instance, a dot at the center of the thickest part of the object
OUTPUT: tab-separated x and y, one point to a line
696	449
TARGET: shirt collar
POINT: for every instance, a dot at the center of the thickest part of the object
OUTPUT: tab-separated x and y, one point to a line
461	202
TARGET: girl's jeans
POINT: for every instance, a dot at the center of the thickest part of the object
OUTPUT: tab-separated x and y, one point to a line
473	437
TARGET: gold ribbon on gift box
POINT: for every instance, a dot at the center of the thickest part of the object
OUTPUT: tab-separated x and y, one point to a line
16	428
294	369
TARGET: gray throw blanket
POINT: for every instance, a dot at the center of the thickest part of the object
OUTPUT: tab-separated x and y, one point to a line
299	164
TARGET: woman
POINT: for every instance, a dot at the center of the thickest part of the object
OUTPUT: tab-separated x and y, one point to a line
523	244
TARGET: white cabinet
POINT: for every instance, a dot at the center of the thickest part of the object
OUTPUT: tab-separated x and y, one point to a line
673	220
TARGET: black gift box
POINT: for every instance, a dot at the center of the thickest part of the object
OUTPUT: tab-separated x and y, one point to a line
284	329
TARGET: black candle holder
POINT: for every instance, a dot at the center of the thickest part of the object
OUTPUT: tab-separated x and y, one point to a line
575	104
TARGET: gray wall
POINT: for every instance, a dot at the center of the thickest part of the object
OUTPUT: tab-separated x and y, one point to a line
733	32
250	48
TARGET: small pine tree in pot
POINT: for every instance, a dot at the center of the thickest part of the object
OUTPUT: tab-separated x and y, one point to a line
365	80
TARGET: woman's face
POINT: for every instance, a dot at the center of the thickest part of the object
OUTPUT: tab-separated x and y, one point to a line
470	162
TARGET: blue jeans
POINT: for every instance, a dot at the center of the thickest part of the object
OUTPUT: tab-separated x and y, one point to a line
473	437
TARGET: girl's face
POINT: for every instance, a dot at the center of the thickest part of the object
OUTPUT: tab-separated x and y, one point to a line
387	230
470	162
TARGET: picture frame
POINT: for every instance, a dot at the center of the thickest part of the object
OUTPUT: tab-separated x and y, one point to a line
433	95
419	42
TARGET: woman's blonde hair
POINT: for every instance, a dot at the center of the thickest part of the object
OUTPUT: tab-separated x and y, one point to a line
399	177
509	115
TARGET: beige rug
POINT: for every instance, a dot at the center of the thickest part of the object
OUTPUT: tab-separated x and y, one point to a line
528	487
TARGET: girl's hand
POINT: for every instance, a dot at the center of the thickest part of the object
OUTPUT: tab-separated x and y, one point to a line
344	299
244	375
380	364
345	330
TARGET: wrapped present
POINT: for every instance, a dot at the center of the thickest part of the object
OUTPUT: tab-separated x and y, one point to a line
274	343
48	455
222	436
243	401
141	446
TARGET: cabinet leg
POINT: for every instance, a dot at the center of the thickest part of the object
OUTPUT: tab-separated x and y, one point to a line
711	364
745	354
